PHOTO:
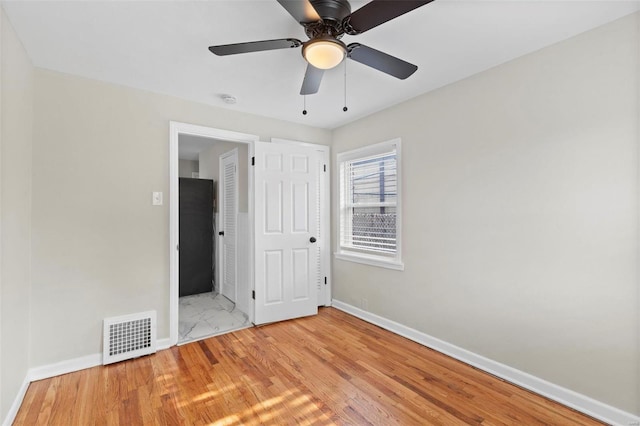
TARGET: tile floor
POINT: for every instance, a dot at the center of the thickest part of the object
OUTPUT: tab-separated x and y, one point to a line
208	314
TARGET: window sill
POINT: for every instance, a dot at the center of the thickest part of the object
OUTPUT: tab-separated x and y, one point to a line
370	260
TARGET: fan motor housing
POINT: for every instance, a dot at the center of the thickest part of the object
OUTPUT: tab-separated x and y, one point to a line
332	10
333	14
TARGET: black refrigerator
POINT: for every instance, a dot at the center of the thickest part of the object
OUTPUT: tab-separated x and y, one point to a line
196	236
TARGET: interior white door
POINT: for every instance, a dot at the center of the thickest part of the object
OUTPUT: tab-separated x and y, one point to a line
228	214
323	213
286	258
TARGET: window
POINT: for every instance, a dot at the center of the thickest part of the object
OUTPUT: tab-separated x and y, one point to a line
369	188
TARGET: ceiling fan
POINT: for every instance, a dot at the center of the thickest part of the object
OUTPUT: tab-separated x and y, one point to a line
325	22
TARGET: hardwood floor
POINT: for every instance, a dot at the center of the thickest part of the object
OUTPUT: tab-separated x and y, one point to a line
323	370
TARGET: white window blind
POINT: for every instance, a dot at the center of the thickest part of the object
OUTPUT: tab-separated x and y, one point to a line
369	203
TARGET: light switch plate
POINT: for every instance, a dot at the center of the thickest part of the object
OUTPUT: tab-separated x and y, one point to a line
157	199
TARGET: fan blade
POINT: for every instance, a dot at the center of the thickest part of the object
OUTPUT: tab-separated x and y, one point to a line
378	12
380	61
312	79
254	46
301	10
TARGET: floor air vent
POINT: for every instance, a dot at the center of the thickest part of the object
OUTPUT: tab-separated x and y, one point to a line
129	336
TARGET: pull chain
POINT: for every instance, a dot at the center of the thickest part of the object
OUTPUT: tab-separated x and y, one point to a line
304	105
345	87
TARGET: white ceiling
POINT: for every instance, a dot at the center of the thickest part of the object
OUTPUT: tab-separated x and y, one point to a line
161	46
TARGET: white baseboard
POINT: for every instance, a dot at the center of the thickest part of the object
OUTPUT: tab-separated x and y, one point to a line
17	402
582	403
162	344
59	368
64	367
78	364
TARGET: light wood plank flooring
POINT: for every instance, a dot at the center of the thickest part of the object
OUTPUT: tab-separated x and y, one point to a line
323	370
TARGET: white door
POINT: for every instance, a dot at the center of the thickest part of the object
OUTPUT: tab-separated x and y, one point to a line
286	257
323	271
228	214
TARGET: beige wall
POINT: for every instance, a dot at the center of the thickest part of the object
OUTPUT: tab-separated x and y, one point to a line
521	215
187	167
99	247
16	88
210	167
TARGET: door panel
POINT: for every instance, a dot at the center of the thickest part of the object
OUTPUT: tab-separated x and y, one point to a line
299	164
273	199
273	276
300	273
300	207
286	261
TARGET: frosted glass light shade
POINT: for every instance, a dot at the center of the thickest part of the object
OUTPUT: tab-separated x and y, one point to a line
324	54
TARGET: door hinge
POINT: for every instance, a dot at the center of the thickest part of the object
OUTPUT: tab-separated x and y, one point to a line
253	294
253	161
325	167
178	247
325	280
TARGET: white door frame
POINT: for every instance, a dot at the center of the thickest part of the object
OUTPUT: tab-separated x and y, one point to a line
325	213
175	130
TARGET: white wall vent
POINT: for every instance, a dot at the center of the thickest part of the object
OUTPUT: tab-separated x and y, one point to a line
128	336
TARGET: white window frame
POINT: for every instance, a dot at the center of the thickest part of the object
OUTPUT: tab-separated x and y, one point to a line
362	256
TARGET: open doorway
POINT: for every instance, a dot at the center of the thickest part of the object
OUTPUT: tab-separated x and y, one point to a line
210	182
298	172
213	209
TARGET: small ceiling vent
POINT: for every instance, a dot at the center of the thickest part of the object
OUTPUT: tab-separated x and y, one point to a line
129	336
